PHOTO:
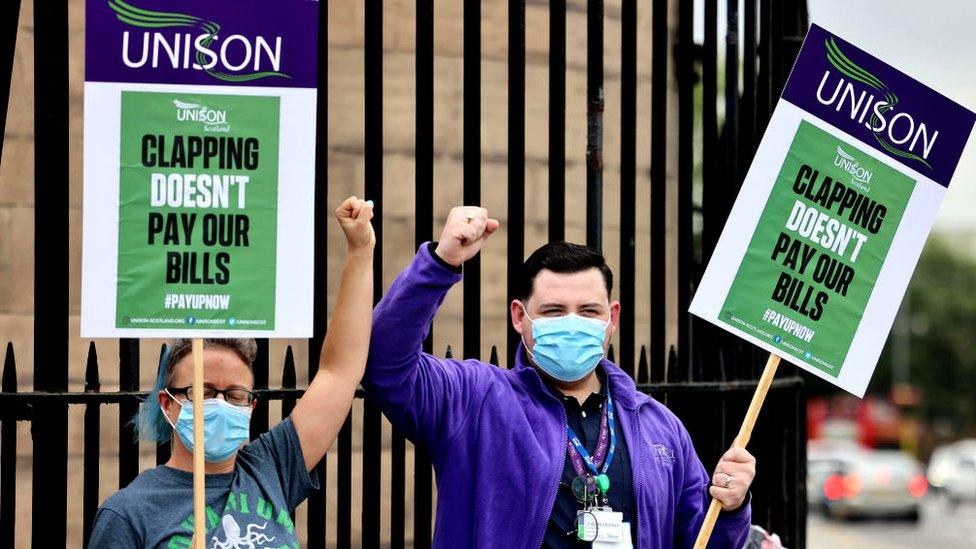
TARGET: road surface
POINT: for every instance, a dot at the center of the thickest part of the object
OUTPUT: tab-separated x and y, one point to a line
939	527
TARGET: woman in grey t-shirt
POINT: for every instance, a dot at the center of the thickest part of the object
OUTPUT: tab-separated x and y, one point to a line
252	489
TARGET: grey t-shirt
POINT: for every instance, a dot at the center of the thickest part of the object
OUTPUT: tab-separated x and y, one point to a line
249	507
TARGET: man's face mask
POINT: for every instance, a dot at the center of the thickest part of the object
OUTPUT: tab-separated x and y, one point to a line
567	348
225	427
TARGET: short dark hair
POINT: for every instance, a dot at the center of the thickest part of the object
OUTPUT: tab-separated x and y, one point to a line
562	257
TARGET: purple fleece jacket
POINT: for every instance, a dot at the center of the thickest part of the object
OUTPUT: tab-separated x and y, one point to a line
498	437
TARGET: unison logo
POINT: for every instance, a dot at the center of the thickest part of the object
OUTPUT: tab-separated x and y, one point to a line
901	135
860	177
232	58
213	120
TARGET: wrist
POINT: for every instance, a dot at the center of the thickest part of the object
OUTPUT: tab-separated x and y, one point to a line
443	257
360	253
432	248
742	506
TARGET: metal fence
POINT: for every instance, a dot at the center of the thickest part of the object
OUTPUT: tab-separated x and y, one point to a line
707	378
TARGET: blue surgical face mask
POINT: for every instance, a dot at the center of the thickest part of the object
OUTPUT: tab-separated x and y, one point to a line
567	348
225	427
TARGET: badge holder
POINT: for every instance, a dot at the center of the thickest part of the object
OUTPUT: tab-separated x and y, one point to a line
587	525
592	493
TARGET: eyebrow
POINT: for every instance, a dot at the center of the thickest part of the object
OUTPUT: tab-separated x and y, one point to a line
563	306
231	386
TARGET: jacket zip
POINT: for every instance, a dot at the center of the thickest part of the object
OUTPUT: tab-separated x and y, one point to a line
640	473
555	490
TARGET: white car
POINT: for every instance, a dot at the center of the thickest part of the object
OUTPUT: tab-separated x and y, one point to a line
945	460
876	484
954	466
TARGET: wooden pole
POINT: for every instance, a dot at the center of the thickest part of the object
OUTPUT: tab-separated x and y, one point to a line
199	464
745	433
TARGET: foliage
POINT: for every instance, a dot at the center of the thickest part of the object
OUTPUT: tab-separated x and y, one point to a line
941	307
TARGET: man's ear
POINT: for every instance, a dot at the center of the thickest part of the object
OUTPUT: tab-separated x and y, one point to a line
614	316
517	309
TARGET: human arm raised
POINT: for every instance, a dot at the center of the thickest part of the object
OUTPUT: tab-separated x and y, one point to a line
425	396
322	410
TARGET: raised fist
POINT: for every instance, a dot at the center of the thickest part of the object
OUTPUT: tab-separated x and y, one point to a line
354	217
464	234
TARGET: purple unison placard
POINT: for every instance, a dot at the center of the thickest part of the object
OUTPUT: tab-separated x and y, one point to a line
879	105
833	214
271	43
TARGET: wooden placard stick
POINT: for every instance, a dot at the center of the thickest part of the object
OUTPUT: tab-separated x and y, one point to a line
199	463
745	432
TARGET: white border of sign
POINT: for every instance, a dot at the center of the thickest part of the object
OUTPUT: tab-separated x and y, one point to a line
296	211
882	306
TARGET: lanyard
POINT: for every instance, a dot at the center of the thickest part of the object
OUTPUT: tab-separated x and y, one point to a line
605	447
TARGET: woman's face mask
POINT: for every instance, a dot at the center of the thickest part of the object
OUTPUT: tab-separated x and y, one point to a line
567	348
225	427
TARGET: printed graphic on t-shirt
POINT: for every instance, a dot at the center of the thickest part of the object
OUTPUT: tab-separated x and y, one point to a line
246	522
235	539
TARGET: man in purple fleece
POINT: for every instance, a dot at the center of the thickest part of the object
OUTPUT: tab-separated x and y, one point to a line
561	450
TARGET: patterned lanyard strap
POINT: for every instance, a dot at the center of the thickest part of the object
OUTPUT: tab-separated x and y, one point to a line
606	446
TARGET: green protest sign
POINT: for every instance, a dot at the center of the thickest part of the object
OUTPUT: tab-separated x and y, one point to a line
818	248
834	211
831	218
197	211
199	169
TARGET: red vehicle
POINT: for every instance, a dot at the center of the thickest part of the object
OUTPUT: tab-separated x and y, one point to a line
872	422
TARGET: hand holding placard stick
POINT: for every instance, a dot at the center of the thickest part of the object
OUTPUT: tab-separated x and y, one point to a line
741	441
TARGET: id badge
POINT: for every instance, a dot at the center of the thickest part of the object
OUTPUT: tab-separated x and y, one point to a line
624	543
609	526
586	525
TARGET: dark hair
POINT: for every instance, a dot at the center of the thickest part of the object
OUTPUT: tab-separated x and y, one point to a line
149	423
562	257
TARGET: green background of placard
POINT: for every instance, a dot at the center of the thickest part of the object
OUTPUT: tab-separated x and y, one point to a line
142	268
752	288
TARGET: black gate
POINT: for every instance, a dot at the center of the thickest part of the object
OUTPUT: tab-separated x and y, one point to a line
706	376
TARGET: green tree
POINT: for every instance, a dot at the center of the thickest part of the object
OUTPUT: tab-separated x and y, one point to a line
941	307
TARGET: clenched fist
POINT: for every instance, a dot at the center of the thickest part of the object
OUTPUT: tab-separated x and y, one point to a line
464	234
732	478
354	217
